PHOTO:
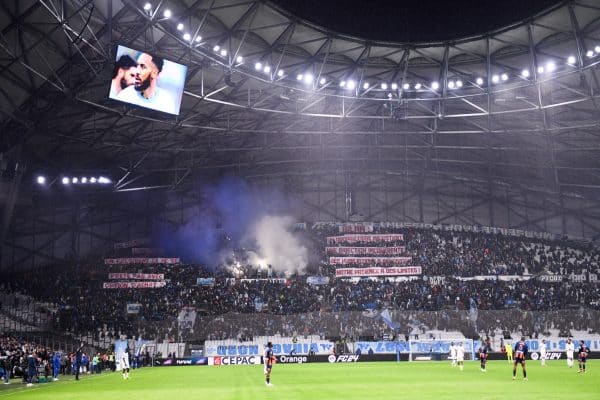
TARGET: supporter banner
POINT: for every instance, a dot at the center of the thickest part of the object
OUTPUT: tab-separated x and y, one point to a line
134	285
369	260
133	308
550	278
118	275
560	344
364	251
225	348
178	362
317	280
455	228
131	243
140	260
436	280
356	227
283	281
376	271
205	281
187	318
146	251
374	238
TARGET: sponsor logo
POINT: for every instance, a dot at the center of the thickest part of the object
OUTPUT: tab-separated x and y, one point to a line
184	362
343	358
293	359
250	360
553	355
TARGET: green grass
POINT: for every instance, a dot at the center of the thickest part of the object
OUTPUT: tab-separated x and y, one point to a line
389	380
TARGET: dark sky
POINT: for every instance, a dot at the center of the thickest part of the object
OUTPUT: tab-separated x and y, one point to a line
414	20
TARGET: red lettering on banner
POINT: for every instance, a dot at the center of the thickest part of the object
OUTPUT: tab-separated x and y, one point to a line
140	260
374	271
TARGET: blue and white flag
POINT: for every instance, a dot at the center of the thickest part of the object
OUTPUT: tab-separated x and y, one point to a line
387	318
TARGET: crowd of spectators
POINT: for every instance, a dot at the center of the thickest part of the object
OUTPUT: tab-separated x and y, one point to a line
17	357
454	266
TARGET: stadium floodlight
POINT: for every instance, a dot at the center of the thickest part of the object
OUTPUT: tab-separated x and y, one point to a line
550	66
571	60
459	84
198	39
65	181
496	78
92	180
342	83
597	49
267	69
167	13
187	37
41	180
589	54
390	95
180	26
84	180
435	85
479	81
147	6
384	86
366	85
258	66
406	86
504	77
418	86
280	73
394	86
239	59
74	180
216	48
308	78
299	77
450	84
525	73
223	52
540	70
102	179
322	81
351	84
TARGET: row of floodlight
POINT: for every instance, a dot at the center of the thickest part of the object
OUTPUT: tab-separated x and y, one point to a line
41	180
350	84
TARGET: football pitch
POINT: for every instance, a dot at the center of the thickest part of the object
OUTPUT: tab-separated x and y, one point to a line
382	380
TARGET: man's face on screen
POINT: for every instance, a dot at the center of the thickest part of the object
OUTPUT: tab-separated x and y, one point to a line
128	78
146	72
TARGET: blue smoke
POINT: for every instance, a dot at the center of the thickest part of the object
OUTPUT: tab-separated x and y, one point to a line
225	214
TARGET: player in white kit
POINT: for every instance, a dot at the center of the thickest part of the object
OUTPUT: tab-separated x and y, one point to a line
460	356
543	353
570	352
125	365
453	353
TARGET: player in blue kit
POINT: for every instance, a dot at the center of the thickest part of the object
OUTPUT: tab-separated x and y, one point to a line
583	353
269	360
520	351
483	353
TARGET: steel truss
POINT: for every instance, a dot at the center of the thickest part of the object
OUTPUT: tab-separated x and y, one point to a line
522	145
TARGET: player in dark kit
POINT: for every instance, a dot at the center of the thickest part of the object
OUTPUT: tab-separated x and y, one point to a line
583	353
269	360
483	353
520	352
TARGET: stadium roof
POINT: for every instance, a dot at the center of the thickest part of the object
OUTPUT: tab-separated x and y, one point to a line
515	107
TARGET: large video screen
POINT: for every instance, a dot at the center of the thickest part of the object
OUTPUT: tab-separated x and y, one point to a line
146	80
